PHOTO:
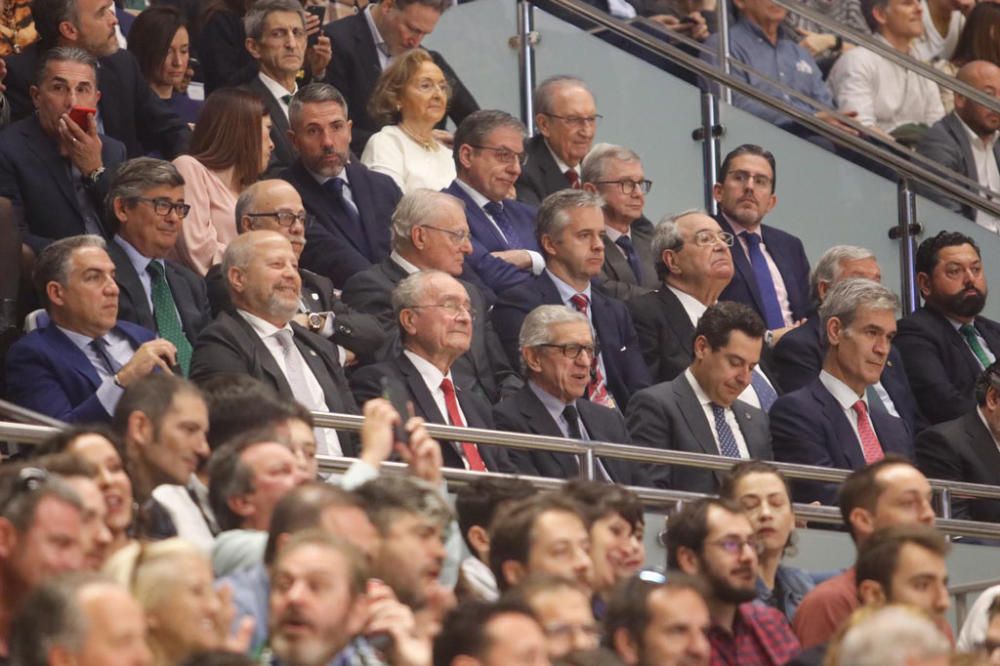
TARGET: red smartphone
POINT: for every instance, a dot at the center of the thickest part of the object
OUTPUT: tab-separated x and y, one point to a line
79	116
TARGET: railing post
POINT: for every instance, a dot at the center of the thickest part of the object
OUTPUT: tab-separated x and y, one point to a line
526	61
905	232
587	464
722	20
710	146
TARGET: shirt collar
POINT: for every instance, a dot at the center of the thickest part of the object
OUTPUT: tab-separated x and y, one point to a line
403	263
692	306
699	392
566	291
376	35
474	194
432	376
841	392
322	179
79	339
138	260
276	88
563	167
985	144
552	404
264	329
614	234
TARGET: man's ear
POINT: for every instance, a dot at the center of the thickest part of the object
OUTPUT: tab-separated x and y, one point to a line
69	32
59	655
701	347
924	284
513	572
406	321
871	593
235	277
625	646
252	48
542	124
590	187
54	292
530	355
862	522
548	245
464	154
834	331
241	506
669	258
687	561
479	538
139	428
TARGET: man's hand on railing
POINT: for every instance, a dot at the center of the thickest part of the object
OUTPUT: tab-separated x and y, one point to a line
832	119
693	25
816	42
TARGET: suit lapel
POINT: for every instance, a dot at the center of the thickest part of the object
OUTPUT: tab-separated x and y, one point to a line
362	193
750	429
844	434
320	365
48	155
261	355
961	138
477	217
69	353
618	263
694	415
677	317
420	392
984	449
540	422
128	281
742	264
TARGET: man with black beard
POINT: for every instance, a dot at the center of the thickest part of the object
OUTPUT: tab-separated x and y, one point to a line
712	539
946	344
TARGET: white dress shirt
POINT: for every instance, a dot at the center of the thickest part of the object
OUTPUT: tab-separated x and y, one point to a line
277	90
706	406
987	173
537	260
846	397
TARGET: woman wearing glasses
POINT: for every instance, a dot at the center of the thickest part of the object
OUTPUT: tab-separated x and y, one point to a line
410	98
230	149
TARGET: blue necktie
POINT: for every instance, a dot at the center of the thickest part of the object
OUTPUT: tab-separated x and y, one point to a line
625	243
100	346
765	285
499	215
336	187
765	392
727	440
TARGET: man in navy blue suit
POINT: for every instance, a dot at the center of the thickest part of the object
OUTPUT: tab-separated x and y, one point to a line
350	205
76	367
831	422
489	152
570	227
772	272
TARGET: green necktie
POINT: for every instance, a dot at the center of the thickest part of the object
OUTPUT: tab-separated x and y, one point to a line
167	322
969	332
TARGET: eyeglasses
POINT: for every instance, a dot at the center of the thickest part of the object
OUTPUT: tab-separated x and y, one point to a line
284	217
629	186
458	236
735	545
427	87
573	350
577	122
505	155
569	629
744	177
453	309
163	206
705	237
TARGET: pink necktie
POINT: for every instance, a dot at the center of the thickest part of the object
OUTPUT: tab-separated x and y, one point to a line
597	389
870	447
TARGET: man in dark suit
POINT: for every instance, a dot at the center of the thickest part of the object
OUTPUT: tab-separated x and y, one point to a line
798	356
430	233
350	205
489	150
364	45
146	199
946	343
566	118
570	224
772	272
557	345
949	141
699	411
965	449
616	174
831	422
260	339
435	321
274	205
76	366
128	109
54	171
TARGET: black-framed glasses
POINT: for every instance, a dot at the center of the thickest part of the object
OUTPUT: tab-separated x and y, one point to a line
458	236
285	218
744	177
453	309
162	207
572	350
707	237
629	186
577	121
505	155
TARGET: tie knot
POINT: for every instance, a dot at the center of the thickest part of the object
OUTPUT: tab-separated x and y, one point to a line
860	407
287	99
155	269
99	344
580	302
570	414
717	410
284	338
573	178
751	239
624	241
447	387
967	330
494	208
335	185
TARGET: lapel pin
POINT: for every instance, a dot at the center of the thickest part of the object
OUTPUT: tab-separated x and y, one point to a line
315	296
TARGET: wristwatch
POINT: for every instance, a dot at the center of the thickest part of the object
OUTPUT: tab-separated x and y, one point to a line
316	321
91	178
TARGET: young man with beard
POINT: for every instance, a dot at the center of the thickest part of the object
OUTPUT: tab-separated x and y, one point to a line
713	540
946	344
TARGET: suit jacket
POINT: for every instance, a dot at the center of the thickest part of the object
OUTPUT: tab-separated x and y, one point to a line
129	109
617	278
962	450
623	363
48	373
497	273
941	367
540	176
187	288
361	333
366	383
354	70
230	346
524	412
798	359
808	426
284	152
668	416
483	369
665	333
790	257
947	144
221	45
37	181
331	250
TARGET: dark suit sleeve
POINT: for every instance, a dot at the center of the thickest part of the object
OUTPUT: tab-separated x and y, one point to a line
331	255
937	459
359	332
650	425
222	50
938	146
217	291
634	368
665	359
32	382
797	437
365	294
937	397
500	275
366	384
11	189
793	362
112	156
507	317
215	354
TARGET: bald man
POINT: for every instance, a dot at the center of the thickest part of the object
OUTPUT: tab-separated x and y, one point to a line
965	140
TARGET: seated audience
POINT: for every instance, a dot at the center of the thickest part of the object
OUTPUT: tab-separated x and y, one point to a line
364	45
55	172
429	233
557	347
161	43
350	204
882	95
82	618
562	607
976	42
81	477
230	149
570	224
261	339
833	421
893	635
479	633
435	318
663	623
146	201
566	121
410	98
76	367
220	41
489	156
700	410
766	498
946	344
616	173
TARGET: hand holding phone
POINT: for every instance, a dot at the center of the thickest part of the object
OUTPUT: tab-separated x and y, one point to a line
79	115
319	11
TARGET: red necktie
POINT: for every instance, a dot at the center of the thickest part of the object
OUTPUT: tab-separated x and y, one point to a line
469	449
597	389
573	177
870	447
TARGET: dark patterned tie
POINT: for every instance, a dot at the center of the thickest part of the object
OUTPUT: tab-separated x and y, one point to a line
625	243
727	440
168	323
765	284
499	215
356	231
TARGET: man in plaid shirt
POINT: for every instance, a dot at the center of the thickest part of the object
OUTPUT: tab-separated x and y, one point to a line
713	540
